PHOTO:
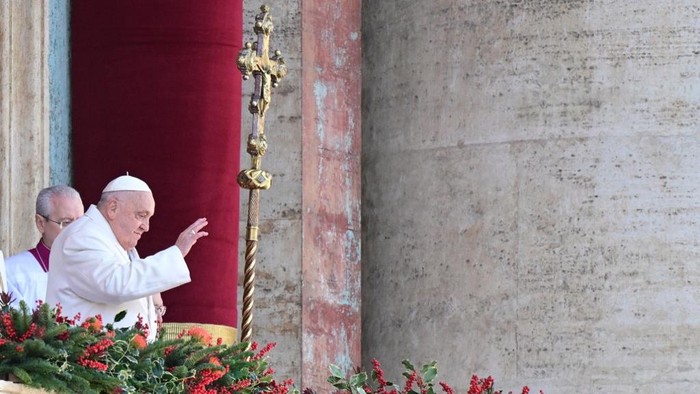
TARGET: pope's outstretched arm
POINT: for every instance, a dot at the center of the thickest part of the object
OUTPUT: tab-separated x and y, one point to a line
96	272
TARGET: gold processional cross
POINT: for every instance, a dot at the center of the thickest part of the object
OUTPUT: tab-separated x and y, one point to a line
254	59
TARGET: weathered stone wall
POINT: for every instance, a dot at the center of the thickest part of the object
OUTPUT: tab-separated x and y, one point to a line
531	179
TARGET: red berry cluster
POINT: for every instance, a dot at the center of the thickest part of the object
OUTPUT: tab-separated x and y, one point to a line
96	350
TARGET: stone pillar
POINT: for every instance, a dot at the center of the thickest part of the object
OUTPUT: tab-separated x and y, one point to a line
331	120
24	125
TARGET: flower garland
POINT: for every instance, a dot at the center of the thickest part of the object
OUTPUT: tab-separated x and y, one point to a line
44	349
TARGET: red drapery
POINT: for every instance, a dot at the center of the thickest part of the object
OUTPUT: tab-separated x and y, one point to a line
156	92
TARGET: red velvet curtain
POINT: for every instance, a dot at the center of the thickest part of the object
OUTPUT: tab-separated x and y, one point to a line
156	92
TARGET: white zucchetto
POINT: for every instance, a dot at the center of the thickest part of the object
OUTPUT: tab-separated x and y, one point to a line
127	183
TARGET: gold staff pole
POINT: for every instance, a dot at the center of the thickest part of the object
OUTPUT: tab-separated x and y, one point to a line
254	59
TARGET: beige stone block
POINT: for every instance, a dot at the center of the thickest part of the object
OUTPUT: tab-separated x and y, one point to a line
24	128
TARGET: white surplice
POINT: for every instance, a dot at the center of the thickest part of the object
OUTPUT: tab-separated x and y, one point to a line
26	279
90	274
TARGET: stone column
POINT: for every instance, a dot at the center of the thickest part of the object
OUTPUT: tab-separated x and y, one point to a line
24	125
331	120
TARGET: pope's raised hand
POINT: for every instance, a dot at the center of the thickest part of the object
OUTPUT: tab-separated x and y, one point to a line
190	236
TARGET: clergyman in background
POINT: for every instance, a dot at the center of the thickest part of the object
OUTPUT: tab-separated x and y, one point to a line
27	272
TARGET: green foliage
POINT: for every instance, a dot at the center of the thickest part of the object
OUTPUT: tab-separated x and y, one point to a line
359	383
43	349
354	385
417	382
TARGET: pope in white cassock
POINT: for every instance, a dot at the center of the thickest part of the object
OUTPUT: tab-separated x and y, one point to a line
95	268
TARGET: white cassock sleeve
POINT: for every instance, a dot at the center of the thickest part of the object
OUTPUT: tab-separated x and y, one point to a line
97	271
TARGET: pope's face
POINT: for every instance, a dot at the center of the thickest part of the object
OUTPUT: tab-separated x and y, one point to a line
131	216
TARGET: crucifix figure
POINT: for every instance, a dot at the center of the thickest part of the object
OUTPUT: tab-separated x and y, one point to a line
254	59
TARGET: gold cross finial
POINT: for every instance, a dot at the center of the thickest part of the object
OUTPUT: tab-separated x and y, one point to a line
254	59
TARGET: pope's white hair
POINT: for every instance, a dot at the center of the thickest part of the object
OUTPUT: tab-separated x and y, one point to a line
119	195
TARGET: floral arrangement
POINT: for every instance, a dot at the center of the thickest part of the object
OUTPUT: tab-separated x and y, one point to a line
417	382
42	348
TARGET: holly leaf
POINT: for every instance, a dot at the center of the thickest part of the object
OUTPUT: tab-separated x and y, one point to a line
335	370
120	316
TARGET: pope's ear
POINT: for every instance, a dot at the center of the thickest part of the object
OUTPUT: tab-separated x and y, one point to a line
112	208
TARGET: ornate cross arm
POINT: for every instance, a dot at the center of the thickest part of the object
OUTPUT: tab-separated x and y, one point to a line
254	59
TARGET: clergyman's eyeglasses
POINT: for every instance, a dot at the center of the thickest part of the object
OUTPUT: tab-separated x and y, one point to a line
61	224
